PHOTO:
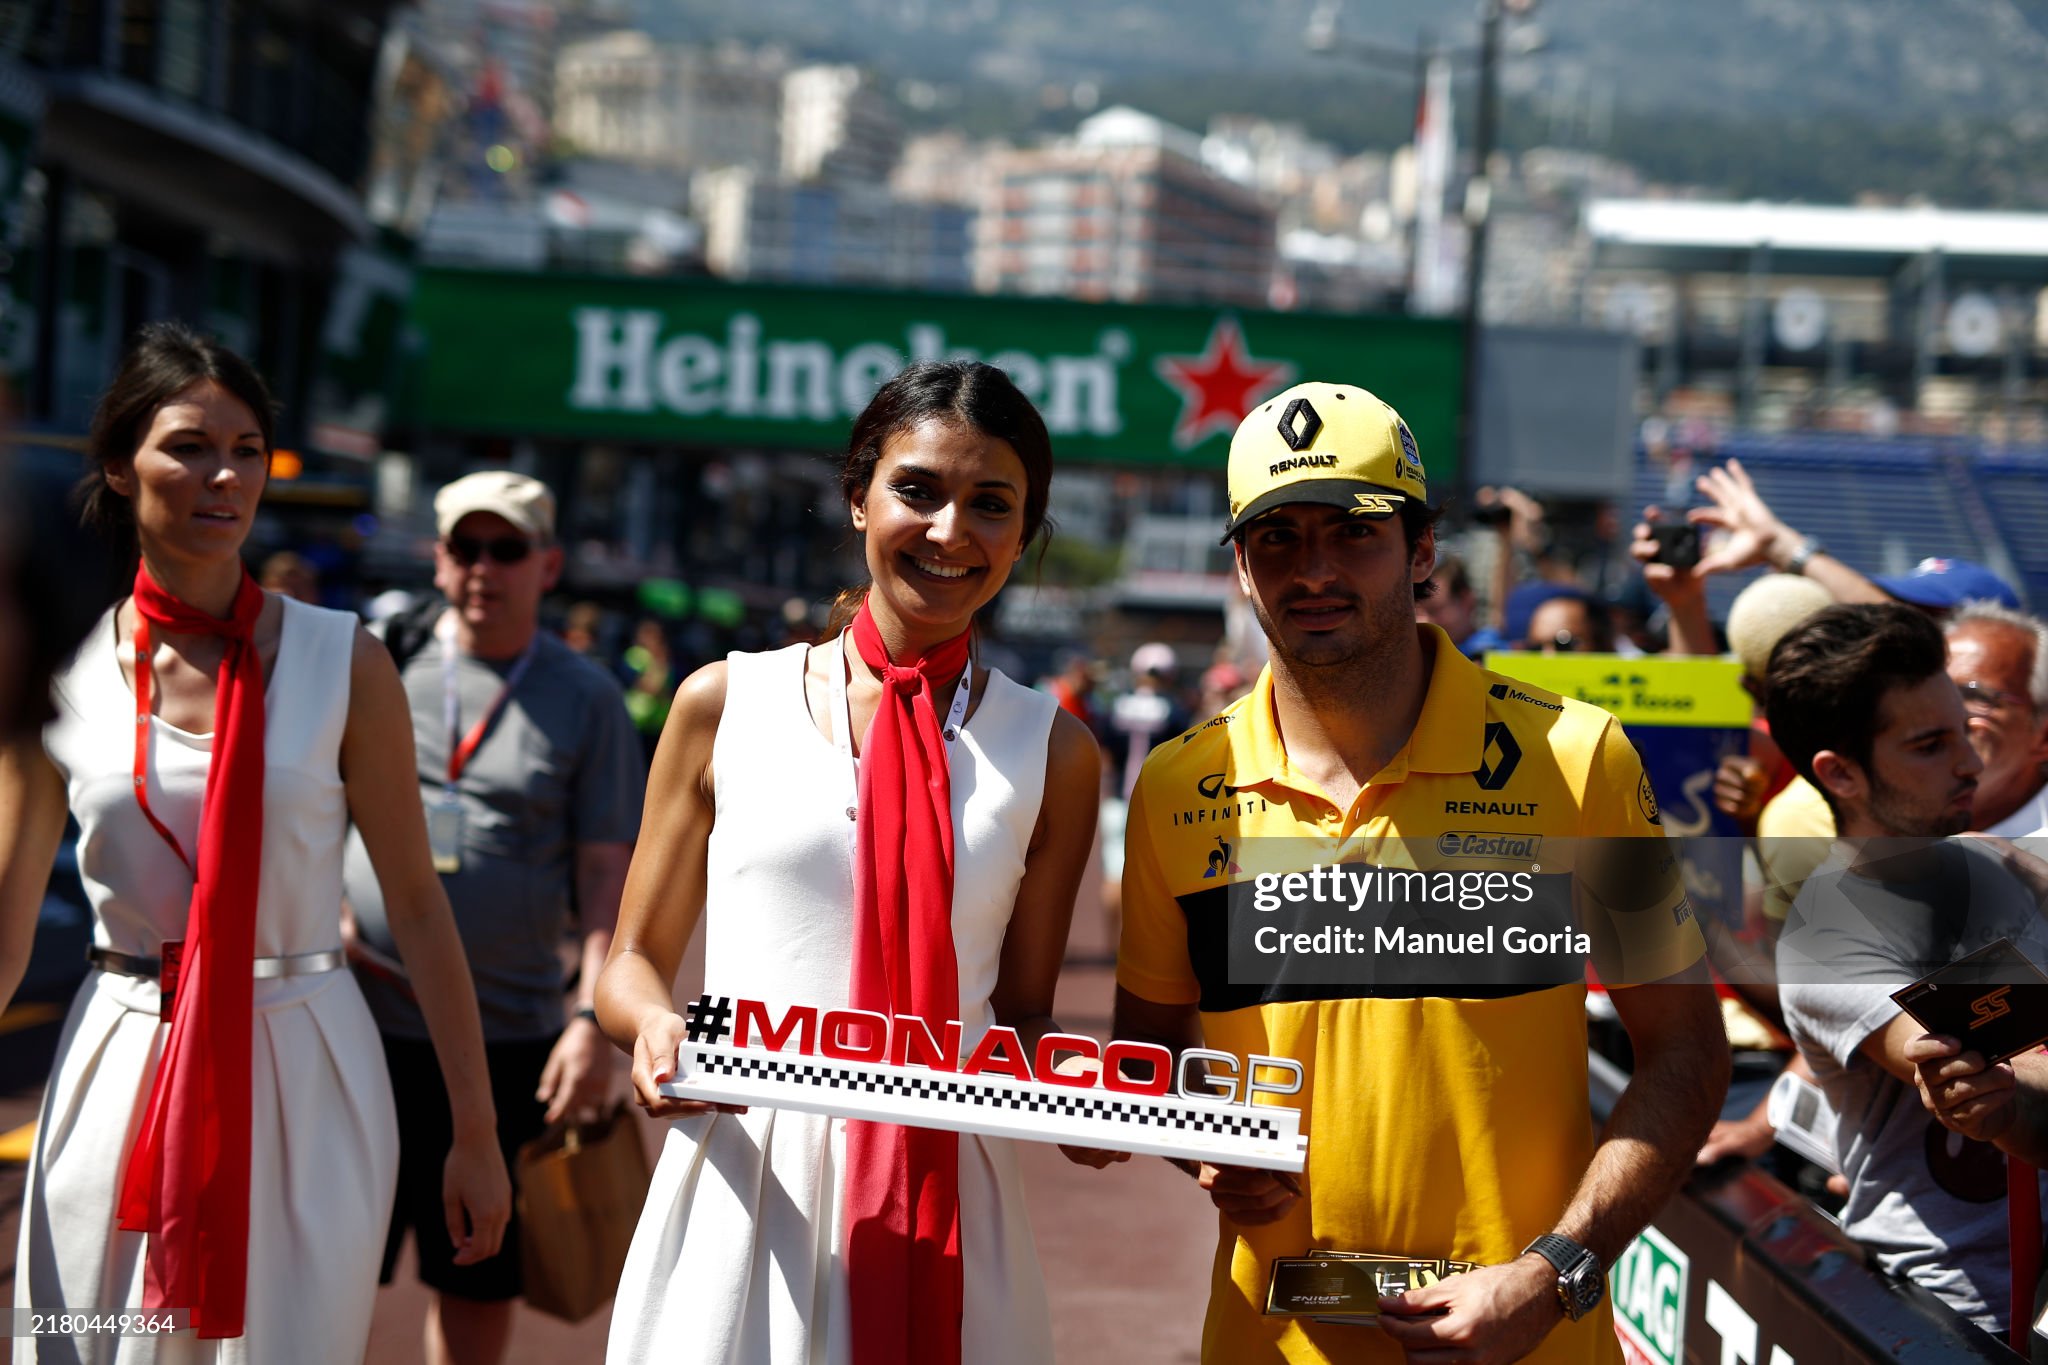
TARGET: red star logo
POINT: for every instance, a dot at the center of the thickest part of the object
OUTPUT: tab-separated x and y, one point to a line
1219	386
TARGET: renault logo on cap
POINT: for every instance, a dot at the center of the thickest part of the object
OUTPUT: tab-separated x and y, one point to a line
1300	424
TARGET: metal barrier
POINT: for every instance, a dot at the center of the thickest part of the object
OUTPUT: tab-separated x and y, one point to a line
1739	1267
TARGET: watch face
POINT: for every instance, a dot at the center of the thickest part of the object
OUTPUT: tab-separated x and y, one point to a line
1585	1286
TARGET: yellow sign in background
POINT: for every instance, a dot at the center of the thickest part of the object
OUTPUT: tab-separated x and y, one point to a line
1639	691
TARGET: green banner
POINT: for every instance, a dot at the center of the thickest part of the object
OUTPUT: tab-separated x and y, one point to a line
703	362
1647	1287
360	349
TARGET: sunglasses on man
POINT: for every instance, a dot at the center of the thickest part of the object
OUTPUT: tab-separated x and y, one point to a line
466	550
1980	699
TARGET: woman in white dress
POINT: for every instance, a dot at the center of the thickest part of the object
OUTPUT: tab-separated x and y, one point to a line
221	1142
788	808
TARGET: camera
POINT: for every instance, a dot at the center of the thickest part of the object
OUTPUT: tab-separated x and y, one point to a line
1677	545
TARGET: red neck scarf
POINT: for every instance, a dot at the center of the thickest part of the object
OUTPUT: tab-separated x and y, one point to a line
903	1184
187	1182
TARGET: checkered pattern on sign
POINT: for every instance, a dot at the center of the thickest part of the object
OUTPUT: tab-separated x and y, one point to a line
1081	1104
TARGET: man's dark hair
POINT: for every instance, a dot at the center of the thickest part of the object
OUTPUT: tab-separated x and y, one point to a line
1417	517
1828	677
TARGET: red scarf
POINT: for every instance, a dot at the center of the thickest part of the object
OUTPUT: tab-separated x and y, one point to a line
903	1184
187	1182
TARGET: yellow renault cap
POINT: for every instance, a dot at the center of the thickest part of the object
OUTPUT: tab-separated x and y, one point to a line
1327	443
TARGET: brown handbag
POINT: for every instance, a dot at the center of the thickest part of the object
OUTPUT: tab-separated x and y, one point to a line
580	1191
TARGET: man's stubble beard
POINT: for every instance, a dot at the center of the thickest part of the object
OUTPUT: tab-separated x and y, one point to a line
1345	668
1892	808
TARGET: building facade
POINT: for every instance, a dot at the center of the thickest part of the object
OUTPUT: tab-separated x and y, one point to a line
771	228
624	97
944	168
1878	320
1125	211
837	125
199	161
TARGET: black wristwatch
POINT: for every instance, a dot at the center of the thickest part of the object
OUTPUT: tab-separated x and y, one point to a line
1580	1283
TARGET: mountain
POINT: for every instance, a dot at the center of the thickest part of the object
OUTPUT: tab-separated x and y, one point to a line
1948	88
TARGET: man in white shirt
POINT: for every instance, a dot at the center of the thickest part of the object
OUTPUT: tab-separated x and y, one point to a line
1998	657
1860	704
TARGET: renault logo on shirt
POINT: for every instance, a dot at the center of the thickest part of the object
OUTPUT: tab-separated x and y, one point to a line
1498	757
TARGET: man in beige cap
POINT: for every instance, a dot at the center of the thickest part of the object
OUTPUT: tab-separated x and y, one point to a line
532	777
1446	1101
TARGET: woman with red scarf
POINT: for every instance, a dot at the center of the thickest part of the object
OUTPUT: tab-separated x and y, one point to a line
874	822
217	1139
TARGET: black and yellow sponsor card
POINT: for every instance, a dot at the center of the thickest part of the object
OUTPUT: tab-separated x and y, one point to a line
1323	1286
1994	1000
1381	1273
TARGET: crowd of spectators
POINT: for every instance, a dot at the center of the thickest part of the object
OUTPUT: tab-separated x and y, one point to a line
1892	711
1824	771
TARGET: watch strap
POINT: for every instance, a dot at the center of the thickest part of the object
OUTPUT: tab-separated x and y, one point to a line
1579	1284
1801	557
1562	1252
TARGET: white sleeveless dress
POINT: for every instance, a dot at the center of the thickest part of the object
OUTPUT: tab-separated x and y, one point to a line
739	1256
324	1155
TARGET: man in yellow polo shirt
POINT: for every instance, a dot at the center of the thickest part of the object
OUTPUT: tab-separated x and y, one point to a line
1445	1095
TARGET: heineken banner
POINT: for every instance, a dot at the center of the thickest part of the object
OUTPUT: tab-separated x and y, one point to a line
702	362
359	348
1684	715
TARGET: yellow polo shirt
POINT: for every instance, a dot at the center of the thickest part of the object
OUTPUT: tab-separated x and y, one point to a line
1794	831
1440	1124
